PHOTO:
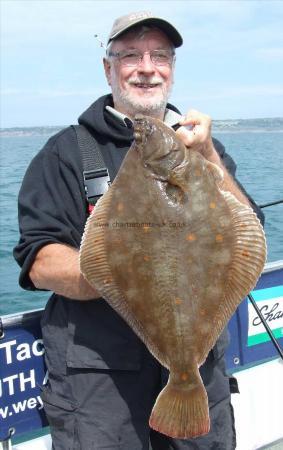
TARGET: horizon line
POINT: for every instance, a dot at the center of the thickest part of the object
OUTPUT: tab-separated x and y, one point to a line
65	126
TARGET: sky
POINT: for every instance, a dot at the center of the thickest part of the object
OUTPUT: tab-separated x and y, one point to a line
230	66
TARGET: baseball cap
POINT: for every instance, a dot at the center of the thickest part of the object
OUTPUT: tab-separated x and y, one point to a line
124	23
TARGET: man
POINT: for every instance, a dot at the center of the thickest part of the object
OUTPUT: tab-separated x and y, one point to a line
103	382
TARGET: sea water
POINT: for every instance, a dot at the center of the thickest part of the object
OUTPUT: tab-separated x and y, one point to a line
259	158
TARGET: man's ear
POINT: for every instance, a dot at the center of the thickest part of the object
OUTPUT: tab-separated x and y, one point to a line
106	64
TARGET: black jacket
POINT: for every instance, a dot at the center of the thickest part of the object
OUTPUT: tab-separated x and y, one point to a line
53	209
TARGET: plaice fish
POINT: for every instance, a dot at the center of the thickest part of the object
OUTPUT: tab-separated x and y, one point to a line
174	255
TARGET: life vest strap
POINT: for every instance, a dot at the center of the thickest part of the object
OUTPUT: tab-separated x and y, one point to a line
95	173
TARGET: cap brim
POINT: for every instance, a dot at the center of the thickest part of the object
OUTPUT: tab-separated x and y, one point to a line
162	24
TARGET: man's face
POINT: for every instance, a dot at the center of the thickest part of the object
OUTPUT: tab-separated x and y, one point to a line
145	87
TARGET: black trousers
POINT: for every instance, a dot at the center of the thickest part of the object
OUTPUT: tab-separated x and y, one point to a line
109	409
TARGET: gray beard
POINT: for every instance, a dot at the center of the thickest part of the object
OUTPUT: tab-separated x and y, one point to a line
133	107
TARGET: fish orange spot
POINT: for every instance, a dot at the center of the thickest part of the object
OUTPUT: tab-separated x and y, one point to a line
184	376
146	258
212	205
120	206
146	228
219	238
191	237
246	253
178	301
107	280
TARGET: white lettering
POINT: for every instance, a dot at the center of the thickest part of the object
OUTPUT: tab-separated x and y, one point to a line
30	379
20	406
7	346
31	403
23	352
38	348
4	412
10	381
39	400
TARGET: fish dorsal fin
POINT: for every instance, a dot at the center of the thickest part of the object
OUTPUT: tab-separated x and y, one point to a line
249	256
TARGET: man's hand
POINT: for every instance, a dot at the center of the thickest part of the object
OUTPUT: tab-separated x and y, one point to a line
195	133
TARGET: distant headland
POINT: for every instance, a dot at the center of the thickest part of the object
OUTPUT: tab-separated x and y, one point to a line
274	124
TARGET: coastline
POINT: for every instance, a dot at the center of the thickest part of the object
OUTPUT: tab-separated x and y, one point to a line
263	125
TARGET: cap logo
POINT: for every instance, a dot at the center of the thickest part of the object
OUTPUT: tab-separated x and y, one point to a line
141	15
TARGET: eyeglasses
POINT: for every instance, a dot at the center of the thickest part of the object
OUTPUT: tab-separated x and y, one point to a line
133	58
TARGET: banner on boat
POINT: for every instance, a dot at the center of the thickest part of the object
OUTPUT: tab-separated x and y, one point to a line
22	373
270	303
250	344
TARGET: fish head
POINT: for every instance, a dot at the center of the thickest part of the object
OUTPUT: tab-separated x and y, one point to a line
160	149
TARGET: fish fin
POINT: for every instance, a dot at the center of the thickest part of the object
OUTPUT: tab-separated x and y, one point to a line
181	410
249	253
95	269
249	256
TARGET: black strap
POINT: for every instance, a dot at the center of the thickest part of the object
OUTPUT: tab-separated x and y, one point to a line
95	173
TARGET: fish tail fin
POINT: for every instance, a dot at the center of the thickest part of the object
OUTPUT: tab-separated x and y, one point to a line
181	411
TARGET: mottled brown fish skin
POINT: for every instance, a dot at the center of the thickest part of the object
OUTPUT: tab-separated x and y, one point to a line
174	255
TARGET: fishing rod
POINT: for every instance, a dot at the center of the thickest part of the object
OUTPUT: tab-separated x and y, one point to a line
265	205
253	302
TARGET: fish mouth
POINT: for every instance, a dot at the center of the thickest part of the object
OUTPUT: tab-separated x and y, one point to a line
142	129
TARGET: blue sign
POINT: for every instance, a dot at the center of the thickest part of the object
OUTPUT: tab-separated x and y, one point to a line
22	373
250	343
